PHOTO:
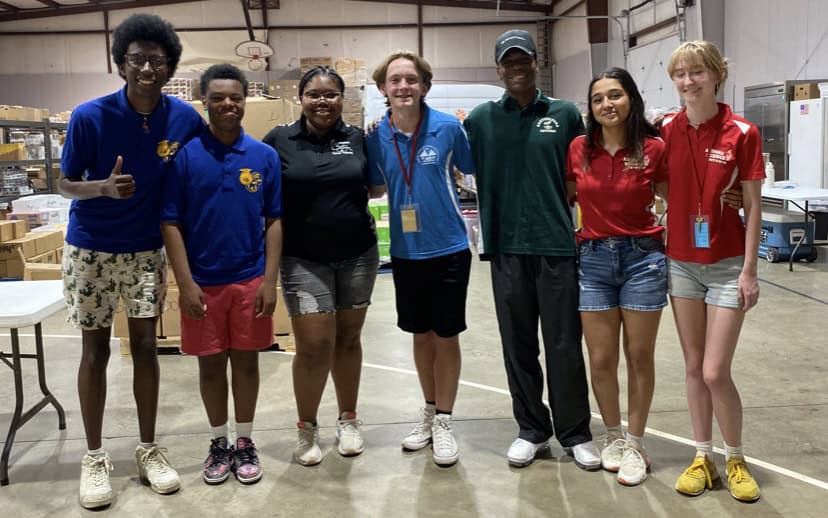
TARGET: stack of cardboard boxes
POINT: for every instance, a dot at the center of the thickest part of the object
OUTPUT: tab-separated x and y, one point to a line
29	255
182	88
23	113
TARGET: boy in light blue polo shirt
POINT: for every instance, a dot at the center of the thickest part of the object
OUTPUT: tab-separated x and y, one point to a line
222	227
414	152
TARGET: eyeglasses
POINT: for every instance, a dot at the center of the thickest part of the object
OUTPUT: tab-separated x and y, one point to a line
318	96
139	60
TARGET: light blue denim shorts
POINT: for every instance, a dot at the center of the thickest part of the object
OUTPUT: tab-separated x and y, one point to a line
717	283
625	272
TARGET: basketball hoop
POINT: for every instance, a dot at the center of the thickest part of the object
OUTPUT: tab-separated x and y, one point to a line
254	51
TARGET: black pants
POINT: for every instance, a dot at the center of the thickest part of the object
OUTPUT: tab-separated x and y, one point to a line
528	288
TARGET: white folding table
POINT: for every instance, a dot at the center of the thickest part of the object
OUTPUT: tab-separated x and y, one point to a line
796	195
23	304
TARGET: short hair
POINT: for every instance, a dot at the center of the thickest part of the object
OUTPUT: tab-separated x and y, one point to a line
146	27
222	71
637	127
321	71
700	52
422	66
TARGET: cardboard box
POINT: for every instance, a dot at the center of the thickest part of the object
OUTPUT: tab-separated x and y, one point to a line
13	152
806	91
42	272
21	228
6	231
47	258
308	63
120	325
12	113
285	88
13	266
48	241
25	245
262	115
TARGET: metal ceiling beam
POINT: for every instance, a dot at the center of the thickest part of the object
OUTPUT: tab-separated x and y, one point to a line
14	14
503	5
50	3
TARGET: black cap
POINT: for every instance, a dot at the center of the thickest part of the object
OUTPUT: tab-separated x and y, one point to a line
514	39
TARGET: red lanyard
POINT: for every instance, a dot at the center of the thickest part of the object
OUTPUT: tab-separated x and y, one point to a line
408	173
700	179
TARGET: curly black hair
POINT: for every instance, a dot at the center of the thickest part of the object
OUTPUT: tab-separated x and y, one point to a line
146	27
321	71
222	71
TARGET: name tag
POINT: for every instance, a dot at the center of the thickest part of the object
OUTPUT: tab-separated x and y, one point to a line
408	216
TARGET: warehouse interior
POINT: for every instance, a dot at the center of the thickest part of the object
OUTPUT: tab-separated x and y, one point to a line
56	56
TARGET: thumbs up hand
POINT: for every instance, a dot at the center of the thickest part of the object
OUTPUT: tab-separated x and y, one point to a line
118	185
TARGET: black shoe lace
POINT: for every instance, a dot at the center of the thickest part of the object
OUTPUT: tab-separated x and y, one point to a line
247	455
219	453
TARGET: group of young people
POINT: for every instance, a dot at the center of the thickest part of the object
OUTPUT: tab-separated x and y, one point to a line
234	214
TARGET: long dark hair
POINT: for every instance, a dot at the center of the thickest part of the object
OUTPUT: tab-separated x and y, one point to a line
637	126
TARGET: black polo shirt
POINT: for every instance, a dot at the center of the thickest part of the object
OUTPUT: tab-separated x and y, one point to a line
324	195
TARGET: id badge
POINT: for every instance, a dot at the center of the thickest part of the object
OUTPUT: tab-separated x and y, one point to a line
409	218
701	231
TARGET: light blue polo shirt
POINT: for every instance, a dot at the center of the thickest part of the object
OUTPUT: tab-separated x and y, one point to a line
98	132
441	146
220	196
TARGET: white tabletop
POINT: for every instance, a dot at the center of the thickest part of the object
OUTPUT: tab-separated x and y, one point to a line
795	193
26	303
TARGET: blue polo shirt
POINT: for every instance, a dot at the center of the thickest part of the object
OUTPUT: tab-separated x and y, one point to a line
441	146
98	132
220	196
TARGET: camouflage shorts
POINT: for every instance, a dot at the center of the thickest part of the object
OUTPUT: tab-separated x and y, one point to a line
94	283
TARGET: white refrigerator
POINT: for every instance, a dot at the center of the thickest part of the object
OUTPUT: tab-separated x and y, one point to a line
808	143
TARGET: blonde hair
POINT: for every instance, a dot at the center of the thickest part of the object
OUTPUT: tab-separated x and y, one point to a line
700	52
422	66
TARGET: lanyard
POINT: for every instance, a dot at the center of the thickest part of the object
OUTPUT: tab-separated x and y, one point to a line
408	173
700	178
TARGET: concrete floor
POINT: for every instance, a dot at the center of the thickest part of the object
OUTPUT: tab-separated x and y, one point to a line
780	368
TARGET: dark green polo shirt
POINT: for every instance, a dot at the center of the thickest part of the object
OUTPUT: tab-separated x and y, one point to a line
520	156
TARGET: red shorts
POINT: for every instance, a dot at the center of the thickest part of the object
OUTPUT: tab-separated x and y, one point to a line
230	321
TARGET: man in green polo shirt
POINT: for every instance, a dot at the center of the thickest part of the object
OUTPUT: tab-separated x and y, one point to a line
519	145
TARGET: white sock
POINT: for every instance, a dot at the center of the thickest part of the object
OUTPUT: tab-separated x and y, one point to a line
146	445
730	451
637	441
244	430
615	430
220	431
95	453
705	447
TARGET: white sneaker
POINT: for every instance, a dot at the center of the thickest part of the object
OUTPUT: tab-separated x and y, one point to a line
522	452
613	451
420	436
349	437
634	466
307	452
586	456
155	469
443	444
95	490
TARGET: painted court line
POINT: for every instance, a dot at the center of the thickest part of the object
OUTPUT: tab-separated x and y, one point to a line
657	433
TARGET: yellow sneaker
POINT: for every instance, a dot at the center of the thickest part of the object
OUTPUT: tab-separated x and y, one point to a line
701	475
741	484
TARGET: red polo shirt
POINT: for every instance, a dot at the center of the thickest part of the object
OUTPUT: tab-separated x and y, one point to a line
727	150
615	194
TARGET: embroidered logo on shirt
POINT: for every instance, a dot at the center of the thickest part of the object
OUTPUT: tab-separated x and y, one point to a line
547	125
166	149
636	164
428	155
250	179
341	148
717	156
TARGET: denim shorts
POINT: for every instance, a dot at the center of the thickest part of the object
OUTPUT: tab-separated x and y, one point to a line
313	287
717	283
626	272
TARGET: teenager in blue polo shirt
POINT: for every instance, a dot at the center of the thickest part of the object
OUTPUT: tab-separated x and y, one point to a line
117	150
414	151
222	227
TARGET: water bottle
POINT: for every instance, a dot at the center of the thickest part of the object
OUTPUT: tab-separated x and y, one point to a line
770	174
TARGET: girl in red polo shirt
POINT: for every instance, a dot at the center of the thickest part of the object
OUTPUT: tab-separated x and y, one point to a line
713	256
615	169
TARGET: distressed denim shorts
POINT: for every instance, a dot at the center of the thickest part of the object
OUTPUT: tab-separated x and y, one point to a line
625	272
314	287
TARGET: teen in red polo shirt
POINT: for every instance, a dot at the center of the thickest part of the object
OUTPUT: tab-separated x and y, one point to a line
615	169
713	256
